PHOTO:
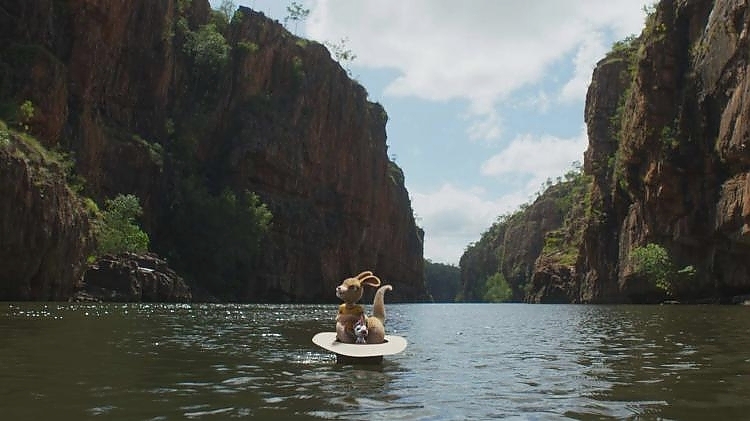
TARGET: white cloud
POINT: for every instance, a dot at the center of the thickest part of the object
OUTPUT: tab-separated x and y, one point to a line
589	52
486	127
530	57
540	157
453	218
540	102
445	50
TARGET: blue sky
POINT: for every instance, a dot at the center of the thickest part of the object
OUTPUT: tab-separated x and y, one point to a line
484	97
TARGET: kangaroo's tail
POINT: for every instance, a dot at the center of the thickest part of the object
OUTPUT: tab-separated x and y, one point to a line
378	303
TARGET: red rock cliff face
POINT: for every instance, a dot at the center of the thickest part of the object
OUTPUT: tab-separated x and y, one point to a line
44	228
514	247
674	170
112	83
668	119
339	204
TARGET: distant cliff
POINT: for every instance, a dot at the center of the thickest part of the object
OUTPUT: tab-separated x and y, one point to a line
523	245
192	111
668	118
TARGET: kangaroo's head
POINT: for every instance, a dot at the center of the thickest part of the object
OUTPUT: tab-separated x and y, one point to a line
350	290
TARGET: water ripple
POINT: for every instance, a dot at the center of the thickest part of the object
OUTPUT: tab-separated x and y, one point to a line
207	361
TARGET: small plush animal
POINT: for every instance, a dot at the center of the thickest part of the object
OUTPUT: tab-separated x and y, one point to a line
360	331
350	291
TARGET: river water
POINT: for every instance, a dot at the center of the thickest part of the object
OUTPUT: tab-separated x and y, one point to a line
464	361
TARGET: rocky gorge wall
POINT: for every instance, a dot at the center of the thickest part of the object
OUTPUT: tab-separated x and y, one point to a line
672	171
130	91
517	246
668	121
45	231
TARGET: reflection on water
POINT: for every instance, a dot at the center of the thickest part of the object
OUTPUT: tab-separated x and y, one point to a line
213	362
674	362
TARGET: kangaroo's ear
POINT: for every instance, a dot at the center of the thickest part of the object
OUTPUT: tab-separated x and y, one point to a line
363	275
371	280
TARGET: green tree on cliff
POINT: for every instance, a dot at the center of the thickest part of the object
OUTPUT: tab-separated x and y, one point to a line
342	53
297	13
26	112
208	49
117	231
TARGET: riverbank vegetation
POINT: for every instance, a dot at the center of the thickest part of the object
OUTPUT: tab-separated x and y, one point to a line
117	229
653	262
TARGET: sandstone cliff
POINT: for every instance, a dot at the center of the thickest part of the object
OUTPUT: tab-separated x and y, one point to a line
44	226
540	231
668	123
168	101
670	166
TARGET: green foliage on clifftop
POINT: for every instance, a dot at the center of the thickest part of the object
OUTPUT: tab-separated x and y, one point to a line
48	161
562	245
208	48
628	52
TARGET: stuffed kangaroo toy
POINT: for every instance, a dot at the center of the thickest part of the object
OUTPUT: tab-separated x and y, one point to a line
350	291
